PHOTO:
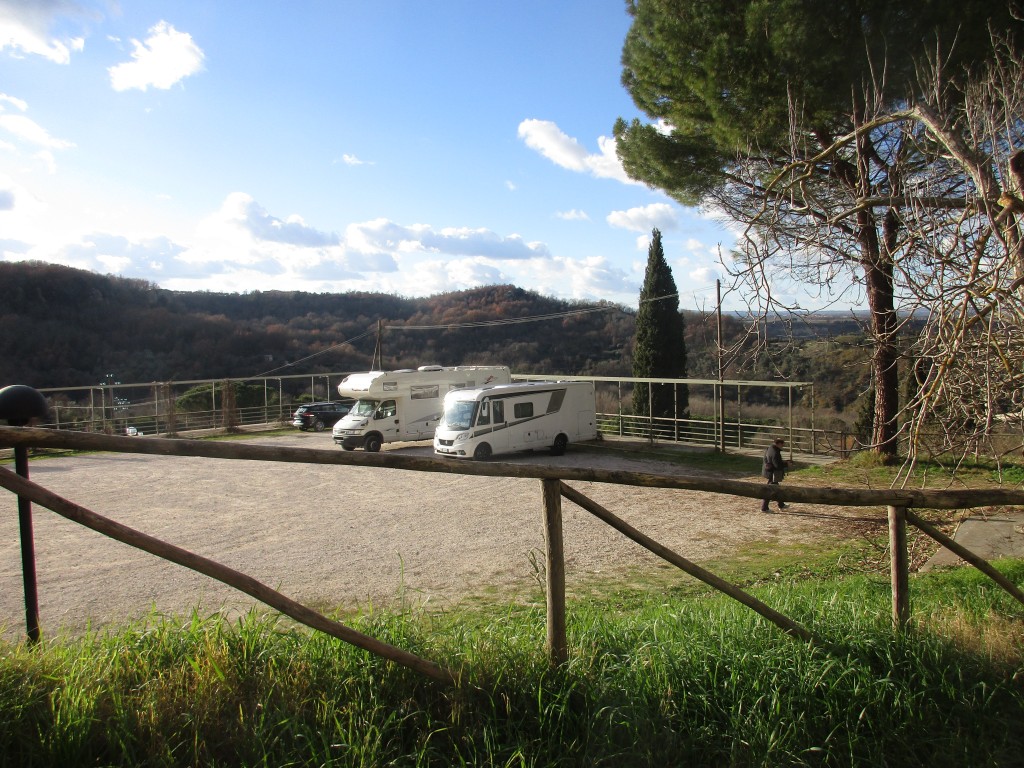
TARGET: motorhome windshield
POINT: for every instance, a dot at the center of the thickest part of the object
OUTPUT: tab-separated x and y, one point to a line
458	414
364	407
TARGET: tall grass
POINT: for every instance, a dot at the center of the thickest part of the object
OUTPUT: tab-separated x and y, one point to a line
653	680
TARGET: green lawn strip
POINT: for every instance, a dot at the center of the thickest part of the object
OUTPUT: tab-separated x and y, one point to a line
654	678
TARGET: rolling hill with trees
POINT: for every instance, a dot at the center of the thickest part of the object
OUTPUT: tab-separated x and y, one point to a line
64	327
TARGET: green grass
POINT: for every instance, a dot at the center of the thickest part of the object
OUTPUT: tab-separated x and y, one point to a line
866	469
699	458
653	679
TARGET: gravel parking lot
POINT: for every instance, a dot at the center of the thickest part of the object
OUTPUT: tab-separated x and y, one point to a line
344	536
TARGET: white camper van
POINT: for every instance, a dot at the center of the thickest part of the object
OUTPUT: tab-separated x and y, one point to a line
478	423
403	405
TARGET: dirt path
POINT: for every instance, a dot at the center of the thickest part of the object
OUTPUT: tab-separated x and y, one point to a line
329	535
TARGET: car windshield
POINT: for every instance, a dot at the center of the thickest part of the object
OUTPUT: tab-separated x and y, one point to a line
458	414
364	407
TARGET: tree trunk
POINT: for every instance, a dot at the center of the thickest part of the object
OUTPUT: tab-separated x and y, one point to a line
876	258
884	357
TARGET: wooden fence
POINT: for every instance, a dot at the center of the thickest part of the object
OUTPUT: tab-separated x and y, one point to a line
899	504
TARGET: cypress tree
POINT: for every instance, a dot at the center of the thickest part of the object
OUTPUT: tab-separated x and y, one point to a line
660	347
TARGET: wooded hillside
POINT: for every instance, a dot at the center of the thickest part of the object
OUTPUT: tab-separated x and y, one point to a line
68	327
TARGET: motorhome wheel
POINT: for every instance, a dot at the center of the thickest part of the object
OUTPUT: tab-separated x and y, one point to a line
558	447
372	443
483	451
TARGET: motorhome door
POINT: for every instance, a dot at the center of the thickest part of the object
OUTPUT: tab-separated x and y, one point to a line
385	420
490	425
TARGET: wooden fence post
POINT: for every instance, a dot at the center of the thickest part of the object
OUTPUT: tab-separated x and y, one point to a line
557	647
28	550
899	566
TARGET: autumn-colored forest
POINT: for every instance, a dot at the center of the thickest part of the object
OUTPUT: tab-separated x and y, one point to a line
63	327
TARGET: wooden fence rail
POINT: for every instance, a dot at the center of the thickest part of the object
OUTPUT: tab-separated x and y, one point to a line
898	503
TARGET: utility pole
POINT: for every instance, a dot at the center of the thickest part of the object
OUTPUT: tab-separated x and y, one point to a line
377	363
721	372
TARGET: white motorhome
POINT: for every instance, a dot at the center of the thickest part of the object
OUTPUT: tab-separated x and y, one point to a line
403	405
478	423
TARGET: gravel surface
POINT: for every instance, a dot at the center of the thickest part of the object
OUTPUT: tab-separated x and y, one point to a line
337	535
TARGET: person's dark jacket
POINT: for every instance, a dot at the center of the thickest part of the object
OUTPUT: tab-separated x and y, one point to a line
774	465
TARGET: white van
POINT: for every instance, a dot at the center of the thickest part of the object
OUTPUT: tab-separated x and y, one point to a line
403	405
478	423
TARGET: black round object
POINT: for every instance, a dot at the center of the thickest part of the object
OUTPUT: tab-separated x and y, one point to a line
19	404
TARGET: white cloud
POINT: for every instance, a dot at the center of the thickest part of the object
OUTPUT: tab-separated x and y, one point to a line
660	215
588	278
25	28
26	129
573	215
19	203
165	58
383	236
242	242
584	279
663	127
20	104
146	258
243	247
703	276
240	211
46	157
482	242
30	131
564	151
348	159
426	276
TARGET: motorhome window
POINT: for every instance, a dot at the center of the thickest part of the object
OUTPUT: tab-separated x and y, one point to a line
424	392
387	410
485	413
364	407
523	410
390	386
498	406
458	414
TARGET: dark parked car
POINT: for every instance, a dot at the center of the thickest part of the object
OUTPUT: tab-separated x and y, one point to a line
319	416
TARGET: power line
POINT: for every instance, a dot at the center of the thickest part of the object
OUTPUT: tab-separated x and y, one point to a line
315	354
503	321
449	326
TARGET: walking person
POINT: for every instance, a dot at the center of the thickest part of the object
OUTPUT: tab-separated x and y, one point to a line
774	468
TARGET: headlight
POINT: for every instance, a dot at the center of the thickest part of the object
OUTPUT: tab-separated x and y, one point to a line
462	436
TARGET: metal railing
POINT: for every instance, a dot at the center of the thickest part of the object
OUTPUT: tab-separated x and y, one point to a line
175	407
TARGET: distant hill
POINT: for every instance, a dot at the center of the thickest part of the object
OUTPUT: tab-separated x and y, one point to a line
63	327
66	327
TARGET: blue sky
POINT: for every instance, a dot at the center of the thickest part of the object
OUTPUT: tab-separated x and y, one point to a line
397	146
